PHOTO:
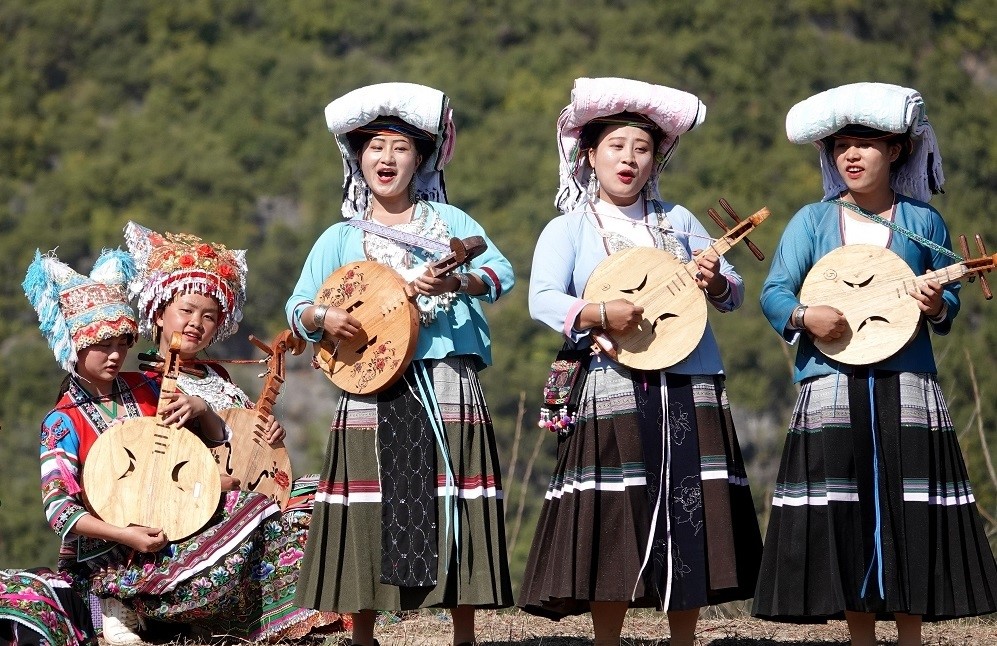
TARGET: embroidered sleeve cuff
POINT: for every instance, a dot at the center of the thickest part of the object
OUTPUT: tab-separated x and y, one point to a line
67	520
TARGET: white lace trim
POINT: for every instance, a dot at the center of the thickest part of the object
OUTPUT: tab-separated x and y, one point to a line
214	389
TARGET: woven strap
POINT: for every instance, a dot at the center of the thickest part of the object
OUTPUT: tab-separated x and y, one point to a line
408	239
899	229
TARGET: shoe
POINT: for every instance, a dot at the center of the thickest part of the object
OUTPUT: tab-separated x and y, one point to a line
121	624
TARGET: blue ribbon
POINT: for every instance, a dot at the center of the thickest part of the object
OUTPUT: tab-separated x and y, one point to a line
877	557
424	382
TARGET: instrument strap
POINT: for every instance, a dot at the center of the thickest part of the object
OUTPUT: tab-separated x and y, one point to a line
899	229
401	237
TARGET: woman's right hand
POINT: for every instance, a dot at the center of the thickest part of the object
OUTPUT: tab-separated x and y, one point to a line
143	539
824	322
340	324
622	315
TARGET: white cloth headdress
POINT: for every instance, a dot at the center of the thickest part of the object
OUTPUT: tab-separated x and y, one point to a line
881	106
76	311
417	105
674	111
180	263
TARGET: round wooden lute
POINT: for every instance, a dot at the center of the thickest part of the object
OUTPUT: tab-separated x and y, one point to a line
380	299
871	286
674	305
143	472
378	354
260	466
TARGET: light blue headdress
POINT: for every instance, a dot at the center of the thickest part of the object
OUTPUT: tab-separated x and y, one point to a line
75	311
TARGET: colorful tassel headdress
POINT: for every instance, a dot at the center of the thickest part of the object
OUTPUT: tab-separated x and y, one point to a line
423	108
179	263
879	106
675	112
75	311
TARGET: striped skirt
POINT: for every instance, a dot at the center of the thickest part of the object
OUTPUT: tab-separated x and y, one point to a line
873	510
644	507
409	509
236	577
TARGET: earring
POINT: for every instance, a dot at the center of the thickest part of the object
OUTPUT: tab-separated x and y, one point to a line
592	190
413	195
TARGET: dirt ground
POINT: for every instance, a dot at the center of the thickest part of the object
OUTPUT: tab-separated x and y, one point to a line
509	628
642	628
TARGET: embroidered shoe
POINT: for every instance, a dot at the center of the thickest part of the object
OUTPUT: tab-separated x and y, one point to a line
121	624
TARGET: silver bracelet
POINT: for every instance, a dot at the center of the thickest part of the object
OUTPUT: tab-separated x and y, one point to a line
797	318
318	316
464	282
602	315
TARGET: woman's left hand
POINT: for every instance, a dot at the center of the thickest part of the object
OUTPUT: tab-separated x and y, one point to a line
430	286
274	432
929	298
709	277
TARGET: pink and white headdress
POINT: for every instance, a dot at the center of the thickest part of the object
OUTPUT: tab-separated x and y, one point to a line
417	105
180	263
674	111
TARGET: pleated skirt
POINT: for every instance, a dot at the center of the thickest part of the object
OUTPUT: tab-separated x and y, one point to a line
873	510
643	507
409	512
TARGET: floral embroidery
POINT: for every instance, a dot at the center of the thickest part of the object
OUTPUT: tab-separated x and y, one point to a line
52	433
290	557
687	499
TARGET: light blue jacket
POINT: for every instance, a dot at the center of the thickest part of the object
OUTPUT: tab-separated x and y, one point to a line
462	330
568	251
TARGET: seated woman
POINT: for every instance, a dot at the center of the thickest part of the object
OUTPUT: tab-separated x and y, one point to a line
184	284
215	580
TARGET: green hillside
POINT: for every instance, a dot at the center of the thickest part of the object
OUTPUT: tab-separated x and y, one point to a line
206	116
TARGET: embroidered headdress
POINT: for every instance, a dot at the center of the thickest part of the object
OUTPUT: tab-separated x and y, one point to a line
890	109
673	111
425	110
75	311
180	263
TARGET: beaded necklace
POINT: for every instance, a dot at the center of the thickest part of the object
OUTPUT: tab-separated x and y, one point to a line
899	229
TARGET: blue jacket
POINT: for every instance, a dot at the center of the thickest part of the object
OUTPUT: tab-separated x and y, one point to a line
815	231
